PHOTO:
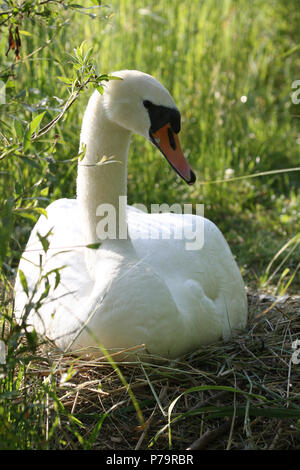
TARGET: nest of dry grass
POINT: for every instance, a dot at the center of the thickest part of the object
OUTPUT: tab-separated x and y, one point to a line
244	394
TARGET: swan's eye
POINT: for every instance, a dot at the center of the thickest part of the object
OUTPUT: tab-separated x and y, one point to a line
175	120
161	115
147	104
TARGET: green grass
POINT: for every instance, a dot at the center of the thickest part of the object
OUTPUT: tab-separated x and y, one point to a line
209	54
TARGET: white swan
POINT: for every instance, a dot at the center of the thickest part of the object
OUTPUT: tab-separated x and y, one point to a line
146	289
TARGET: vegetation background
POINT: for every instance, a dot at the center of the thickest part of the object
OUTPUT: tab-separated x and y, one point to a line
230	66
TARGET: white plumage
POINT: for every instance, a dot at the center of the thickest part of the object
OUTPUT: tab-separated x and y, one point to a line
140	290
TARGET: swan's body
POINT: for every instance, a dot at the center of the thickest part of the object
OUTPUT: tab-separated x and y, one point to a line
139	289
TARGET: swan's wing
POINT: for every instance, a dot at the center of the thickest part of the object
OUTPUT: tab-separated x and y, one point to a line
190	253
53	259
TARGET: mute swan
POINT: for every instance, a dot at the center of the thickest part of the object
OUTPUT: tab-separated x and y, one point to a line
140	289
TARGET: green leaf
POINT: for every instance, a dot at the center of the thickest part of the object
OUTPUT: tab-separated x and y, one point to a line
25	33
23	281
93	246
10	84
66	80
45	191
41	210
27	215
32	339
95	432
75	5
45	243
75	420
35	123
107	78
100	89
88	54
46	289
57	279
18	128
82	152
26	140
31	161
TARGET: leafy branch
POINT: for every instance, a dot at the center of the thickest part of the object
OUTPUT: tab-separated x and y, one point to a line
84	74
14	12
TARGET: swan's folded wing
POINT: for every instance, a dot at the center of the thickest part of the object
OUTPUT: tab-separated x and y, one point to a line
54	267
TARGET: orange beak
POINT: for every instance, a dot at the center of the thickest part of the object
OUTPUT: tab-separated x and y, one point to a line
168	143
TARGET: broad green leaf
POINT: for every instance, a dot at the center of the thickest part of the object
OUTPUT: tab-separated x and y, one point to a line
27	215
35	123
100	89
45	243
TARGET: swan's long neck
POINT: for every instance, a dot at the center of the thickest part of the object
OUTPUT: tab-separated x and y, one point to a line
102	173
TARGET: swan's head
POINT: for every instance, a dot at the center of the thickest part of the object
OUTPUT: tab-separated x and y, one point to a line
139	103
